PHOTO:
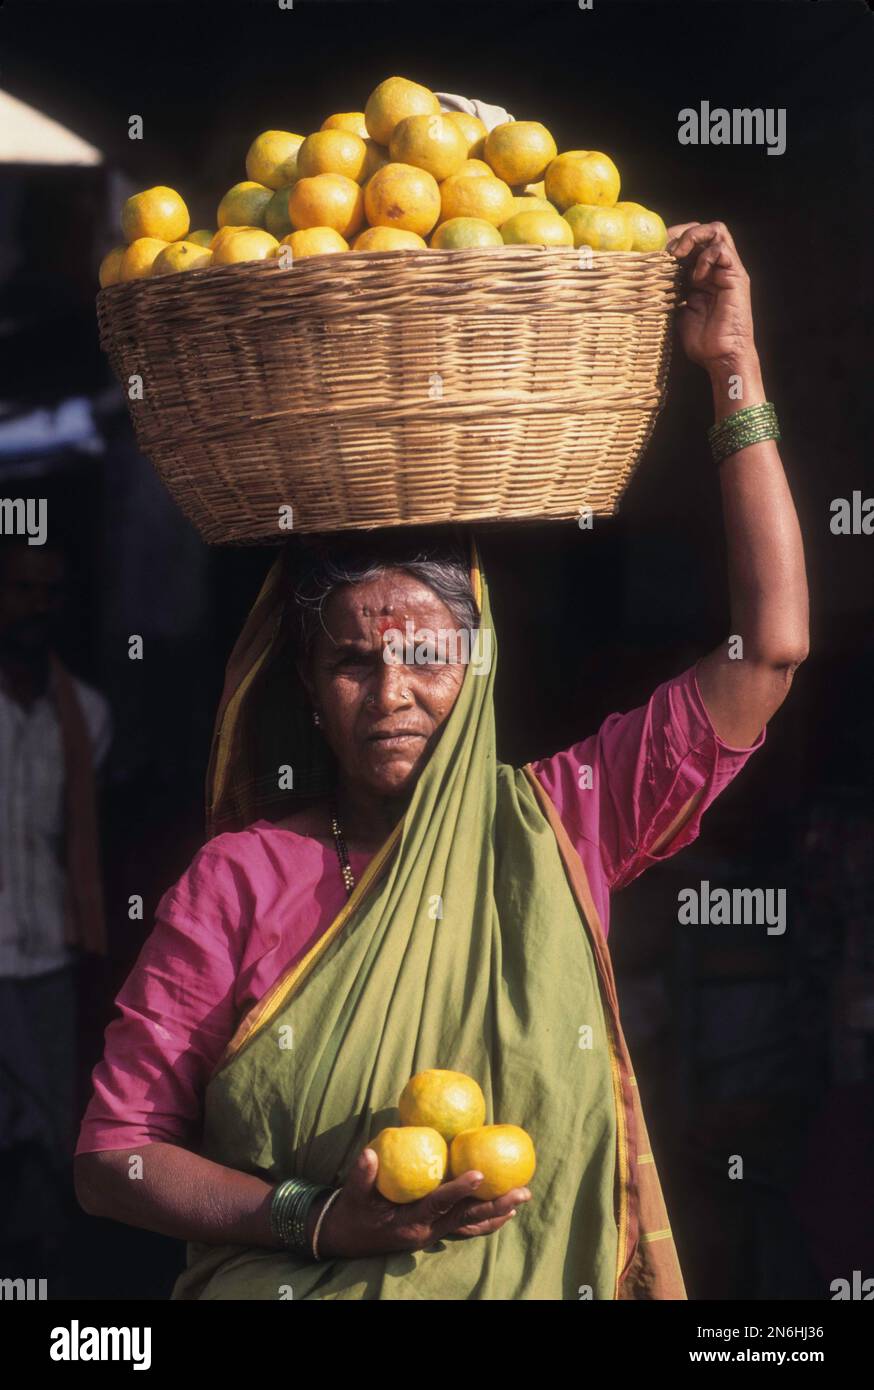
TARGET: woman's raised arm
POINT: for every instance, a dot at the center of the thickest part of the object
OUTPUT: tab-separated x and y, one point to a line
743	686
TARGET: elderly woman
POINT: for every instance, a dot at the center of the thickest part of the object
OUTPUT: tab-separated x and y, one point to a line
381	896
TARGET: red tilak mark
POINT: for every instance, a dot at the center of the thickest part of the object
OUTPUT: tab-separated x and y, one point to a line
386	625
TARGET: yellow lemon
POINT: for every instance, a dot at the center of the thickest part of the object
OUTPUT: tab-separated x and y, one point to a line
391	101
203	237
412	1162
347	120
248	244
140	256
313	241
648	231
468	195
448	1101
504	1154
327	200
332	152
473	168
181	255
400	195
519	151
110	267
377	156
244	205
156	212
429	142
524	203
388	239
276	217
460	232
604	229
537	228
272	158
582	176
474	131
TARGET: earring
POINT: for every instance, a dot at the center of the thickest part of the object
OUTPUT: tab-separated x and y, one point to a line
316	720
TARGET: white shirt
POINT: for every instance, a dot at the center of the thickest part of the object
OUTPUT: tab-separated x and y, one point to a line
32	813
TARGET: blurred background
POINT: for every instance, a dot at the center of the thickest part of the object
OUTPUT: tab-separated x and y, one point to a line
744	1043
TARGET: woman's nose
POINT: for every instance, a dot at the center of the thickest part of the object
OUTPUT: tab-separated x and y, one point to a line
390	688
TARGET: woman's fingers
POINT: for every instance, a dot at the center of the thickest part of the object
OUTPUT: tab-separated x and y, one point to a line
472	1212
439	1203
688	237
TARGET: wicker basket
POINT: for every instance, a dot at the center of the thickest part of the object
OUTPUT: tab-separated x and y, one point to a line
395	388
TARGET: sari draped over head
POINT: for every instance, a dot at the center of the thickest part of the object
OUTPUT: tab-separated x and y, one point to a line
470	942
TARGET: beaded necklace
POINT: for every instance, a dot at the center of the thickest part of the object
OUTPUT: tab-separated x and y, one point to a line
342	853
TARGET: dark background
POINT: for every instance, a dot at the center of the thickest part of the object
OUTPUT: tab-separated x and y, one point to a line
744	1044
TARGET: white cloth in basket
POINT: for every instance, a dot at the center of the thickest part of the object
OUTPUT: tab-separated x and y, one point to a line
489	115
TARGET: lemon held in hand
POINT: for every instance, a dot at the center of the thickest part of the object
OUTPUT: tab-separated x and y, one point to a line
504	1154
448	1101
412	1162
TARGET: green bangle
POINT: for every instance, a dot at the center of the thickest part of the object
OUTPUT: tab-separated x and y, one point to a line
289	1209
744	427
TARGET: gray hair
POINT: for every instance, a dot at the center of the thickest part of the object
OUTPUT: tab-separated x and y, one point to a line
439	563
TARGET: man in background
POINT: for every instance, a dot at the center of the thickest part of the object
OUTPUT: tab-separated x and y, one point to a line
55	730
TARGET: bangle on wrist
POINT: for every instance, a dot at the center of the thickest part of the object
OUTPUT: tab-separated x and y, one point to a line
289	1209
322	1214
749	425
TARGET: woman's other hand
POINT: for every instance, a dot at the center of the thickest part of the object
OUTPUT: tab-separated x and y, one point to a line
716	323
362	1222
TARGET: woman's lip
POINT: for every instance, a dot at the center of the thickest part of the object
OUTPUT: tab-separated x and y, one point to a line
394	738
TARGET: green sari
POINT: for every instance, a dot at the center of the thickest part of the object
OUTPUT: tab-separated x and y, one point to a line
470	943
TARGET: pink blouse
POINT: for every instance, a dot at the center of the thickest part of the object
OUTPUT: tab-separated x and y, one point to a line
252	902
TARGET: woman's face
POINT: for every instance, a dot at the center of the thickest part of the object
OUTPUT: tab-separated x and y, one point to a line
382	718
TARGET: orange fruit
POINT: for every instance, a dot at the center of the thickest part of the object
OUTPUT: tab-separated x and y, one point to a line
472	168
533	190
140	256
537	228
388	239
504	1154
110	267
181	255
247	244
332	152
400	195
272	158
428	142
244	204
276	218
469	195
313	241
519	151
582	176
648	231
394	99
525	203
447	1101
347	120
412	1162
377	156
224	232
156	212
604	229
473	129
201	238
327	200
460	232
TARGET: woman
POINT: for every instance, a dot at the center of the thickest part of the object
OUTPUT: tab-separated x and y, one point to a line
269	1026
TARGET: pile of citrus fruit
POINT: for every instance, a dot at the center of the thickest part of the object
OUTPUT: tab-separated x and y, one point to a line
384	179
441	1133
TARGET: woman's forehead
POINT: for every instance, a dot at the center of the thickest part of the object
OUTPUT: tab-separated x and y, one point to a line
388	600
